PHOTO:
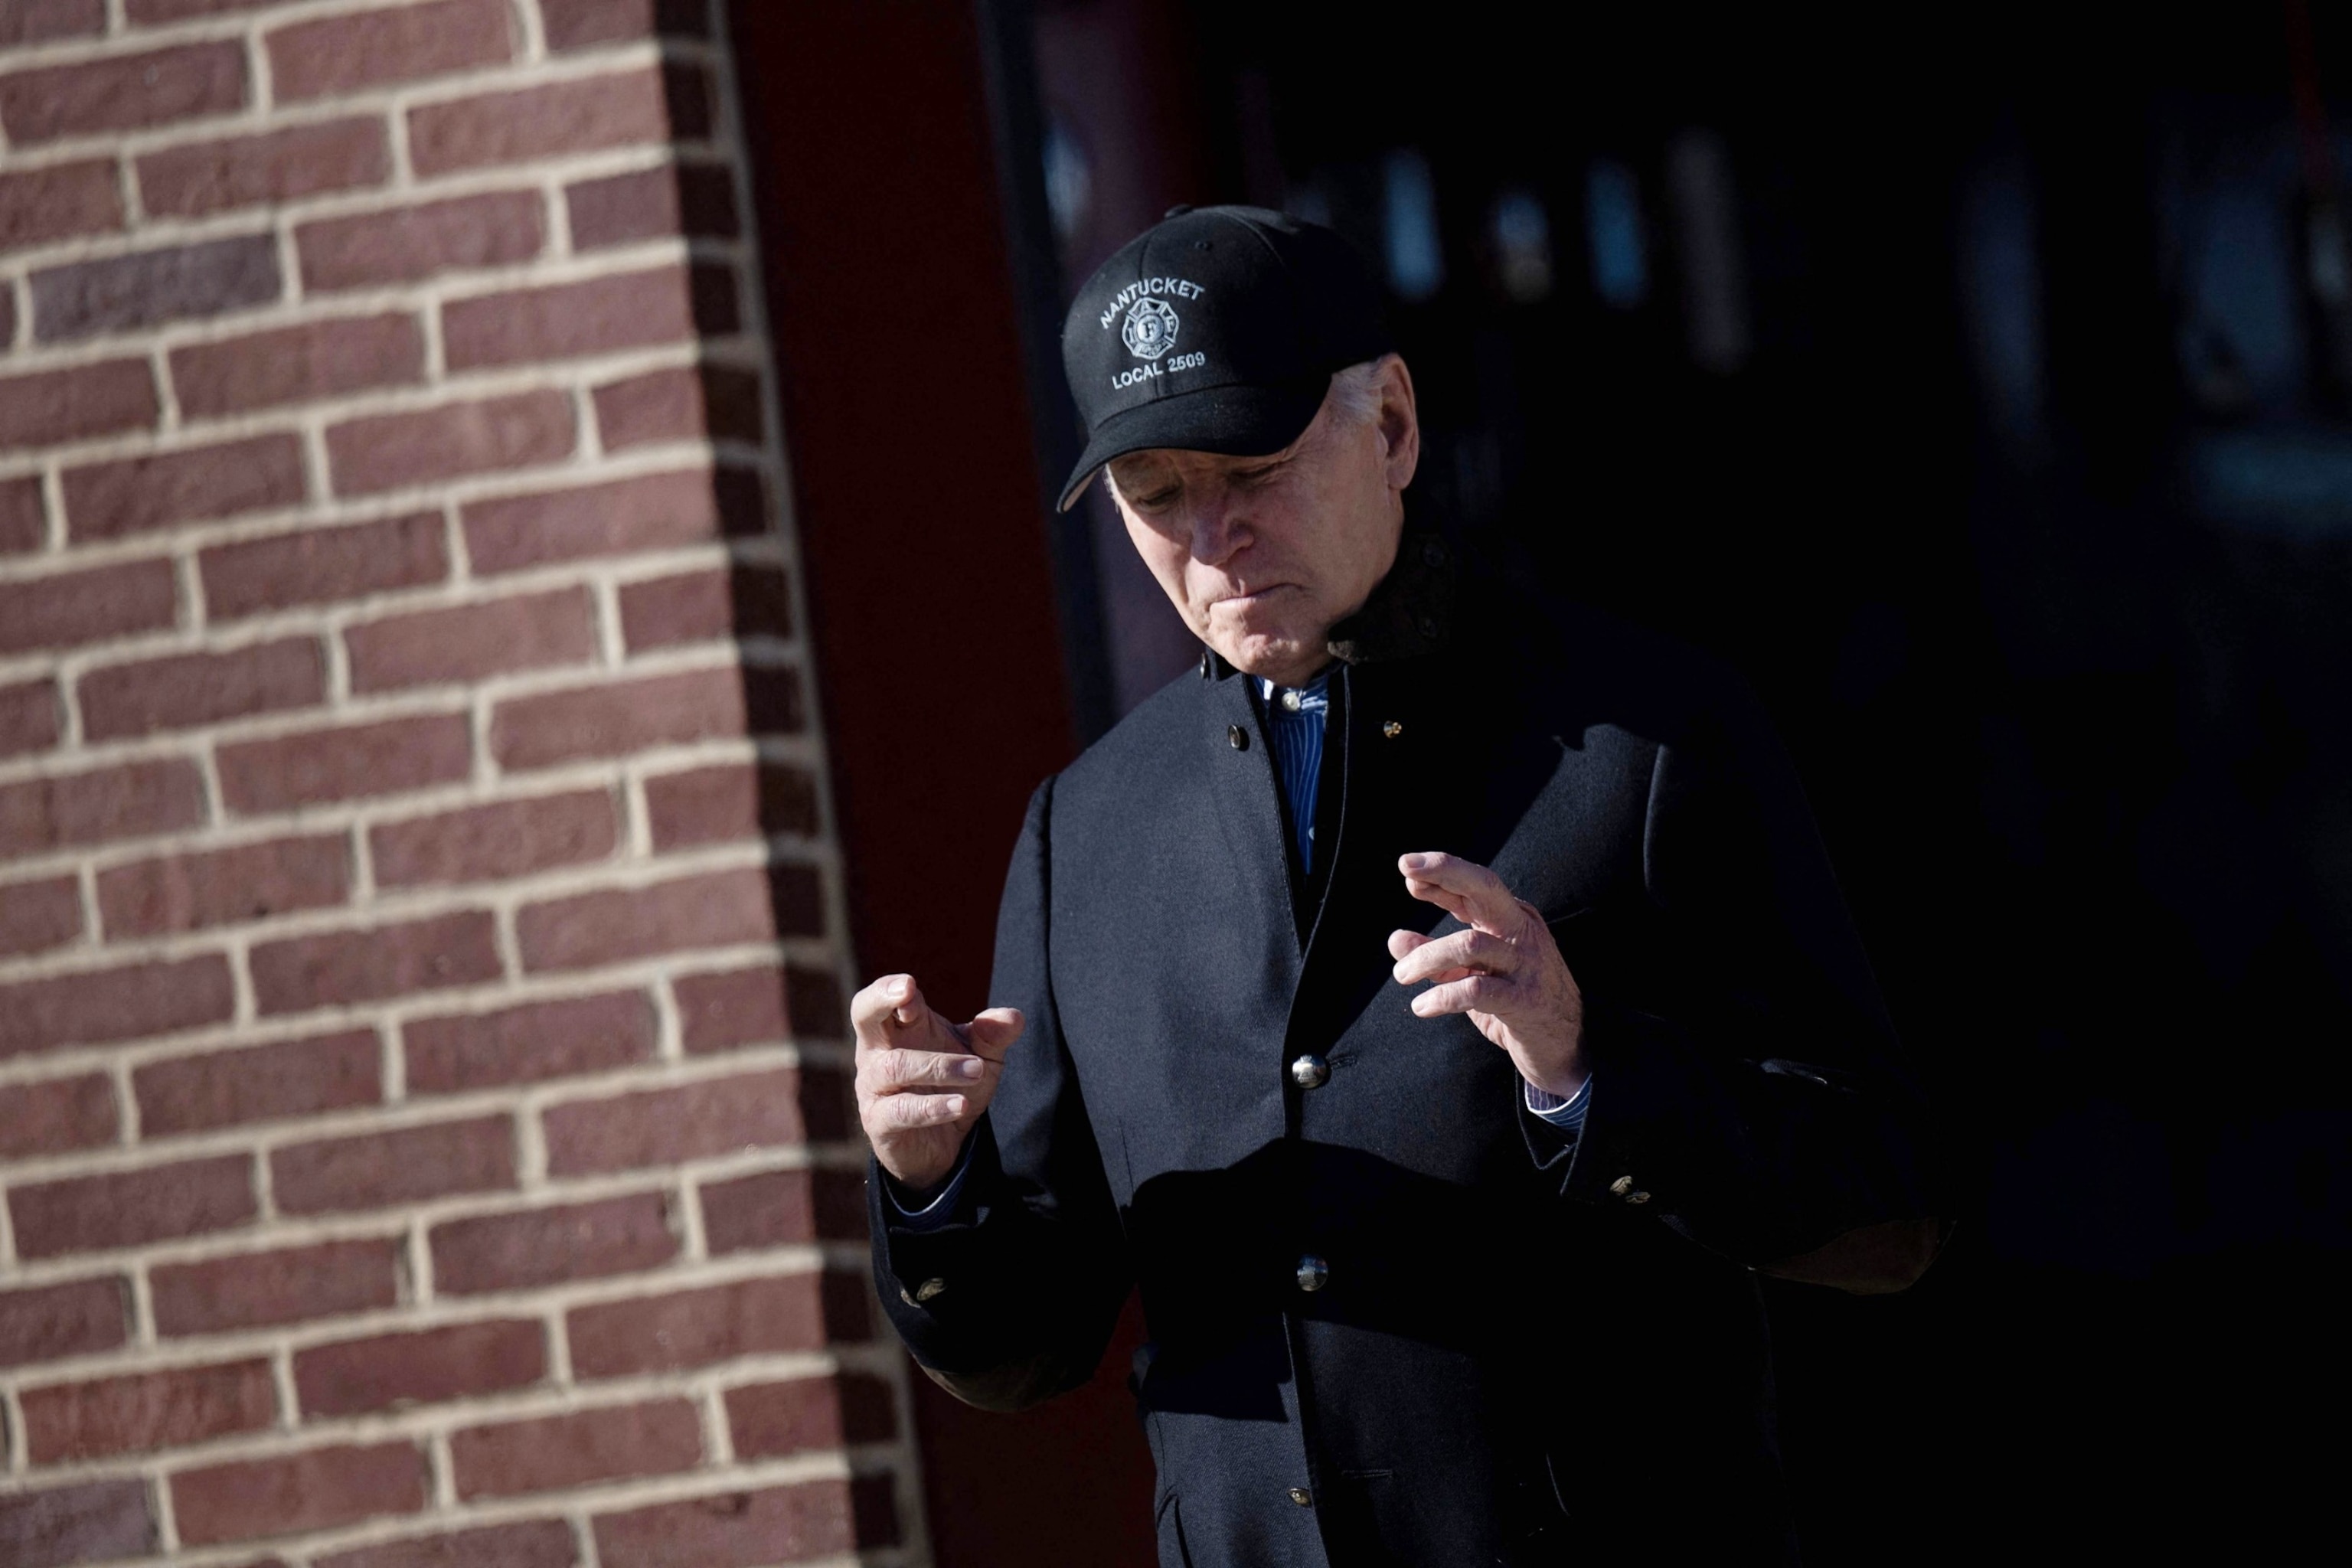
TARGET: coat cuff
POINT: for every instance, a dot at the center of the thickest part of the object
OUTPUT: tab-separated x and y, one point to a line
926	1265
1628	1152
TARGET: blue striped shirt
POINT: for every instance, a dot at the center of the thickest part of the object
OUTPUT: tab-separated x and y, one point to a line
1294	724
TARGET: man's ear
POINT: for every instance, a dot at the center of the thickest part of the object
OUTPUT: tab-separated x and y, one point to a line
1399	423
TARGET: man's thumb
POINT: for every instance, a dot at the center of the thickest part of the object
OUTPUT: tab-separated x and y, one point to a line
994	1031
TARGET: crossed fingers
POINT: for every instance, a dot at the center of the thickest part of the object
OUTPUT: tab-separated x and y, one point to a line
913	1067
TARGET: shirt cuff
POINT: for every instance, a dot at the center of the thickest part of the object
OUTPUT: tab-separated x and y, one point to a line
1567	1115
941	1209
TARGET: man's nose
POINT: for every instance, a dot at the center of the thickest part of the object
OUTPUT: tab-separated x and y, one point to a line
1216	531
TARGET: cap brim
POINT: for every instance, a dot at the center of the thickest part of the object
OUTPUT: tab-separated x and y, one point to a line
1231	421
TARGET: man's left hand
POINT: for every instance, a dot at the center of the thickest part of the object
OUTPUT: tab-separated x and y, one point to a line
1506	971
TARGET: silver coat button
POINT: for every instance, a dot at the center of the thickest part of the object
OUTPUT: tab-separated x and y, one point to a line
1302	1497
1310	1071
1313	1273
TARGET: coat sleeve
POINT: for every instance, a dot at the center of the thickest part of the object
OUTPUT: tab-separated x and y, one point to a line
1011	1299
1754	1097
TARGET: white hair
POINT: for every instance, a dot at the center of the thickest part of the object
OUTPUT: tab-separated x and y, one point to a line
1356	390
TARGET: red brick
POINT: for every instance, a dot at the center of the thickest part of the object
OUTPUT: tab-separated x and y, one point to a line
345	966
399	43
394	451
88	1522
23	516
669	1126
526	1043
55	406
293	1493
39	205
130	1208
683	403
470	642
716	909
127	801
265	1290
158	13
584	24
28	722
407	1165
139	495
549	1246
387	1372
730	801
297	364
185	690
772	1420
322	565
696	200
578	1449
223	887
695	1327
486	843
659	511
733	1529
34	918
706	606
68	609
758	1006
346	764
51	1323
61	1114
634	108
39	21
147	1411
601	315
123	92
97	1007
149	288
262	1083
408	243
783	1208
622	717
772	1208
536	1543
202	177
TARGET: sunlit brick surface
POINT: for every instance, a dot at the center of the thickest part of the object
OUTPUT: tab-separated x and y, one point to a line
423	1129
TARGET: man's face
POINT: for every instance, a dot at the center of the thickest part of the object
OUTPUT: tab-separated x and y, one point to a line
1263	555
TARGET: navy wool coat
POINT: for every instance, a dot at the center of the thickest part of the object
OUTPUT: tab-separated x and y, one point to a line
1526	1349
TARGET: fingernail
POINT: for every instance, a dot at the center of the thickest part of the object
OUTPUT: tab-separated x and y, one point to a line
954	1104
902	986
971	1066
1415	862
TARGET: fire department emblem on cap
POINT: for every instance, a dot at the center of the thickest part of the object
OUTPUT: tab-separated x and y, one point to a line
1149	329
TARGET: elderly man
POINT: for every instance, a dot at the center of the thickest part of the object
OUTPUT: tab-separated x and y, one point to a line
1440	1006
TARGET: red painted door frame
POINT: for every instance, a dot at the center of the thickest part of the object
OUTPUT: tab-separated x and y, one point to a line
932	606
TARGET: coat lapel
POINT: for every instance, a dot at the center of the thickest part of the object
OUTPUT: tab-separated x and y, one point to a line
1249	811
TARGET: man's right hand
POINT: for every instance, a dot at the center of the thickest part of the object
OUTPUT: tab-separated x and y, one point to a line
922	1080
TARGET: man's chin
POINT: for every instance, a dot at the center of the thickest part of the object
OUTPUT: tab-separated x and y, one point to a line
1287	659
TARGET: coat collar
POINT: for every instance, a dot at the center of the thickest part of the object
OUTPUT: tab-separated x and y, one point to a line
1409	613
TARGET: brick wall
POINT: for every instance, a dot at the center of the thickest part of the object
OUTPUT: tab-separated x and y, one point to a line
423	1117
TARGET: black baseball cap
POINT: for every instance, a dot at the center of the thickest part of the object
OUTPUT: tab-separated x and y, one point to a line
1216	329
